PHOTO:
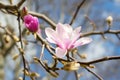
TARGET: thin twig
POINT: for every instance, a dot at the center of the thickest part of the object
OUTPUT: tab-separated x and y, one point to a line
91	22
20	3
76	75
101	32
42	16
20	32
76	12
93	73
100	60
118	36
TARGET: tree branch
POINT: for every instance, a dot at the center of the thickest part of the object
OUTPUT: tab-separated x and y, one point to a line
76	12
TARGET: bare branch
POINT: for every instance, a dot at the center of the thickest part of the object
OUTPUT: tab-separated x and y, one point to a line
93	73
100	60
76	12
101	32
42	16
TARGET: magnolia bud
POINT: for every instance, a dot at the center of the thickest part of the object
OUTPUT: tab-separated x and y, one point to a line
91	66
15	38
34	74
15	56
20	78
31	23
26	72
24	12
83	56
109	20
6	38
71	66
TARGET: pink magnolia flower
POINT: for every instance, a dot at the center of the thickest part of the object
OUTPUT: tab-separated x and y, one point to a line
31	23
65	38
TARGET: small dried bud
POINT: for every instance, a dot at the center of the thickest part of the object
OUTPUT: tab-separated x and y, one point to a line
91	66
25	42
15	38
21	50
36	60
28	32
20	78
15	56
34	74
26	72
6	38
109	20
24	12
71	66
75	50
83	56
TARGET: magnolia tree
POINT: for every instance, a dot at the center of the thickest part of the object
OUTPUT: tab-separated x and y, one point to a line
60	41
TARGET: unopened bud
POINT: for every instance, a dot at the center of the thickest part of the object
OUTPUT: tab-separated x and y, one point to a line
71	66
36	60
83	56
6	38
24	12
26	72
28	32
20	78
91	66
25	42
34	74
15	56
15	38
109	20
21	50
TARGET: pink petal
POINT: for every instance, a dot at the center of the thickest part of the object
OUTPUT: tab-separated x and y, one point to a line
82	41
61	31
53	37
60	52
75	35
49	32
77	30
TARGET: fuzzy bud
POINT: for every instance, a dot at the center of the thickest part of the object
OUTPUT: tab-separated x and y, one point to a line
71	66
109	20
24	12
20	78
15	38
34	74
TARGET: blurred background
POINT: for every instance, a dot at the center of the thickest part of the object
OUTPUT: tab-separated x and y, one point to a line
62	11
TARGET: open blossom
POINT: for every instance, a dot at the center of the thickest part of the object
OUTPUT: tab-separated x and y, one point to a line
31	23
65	38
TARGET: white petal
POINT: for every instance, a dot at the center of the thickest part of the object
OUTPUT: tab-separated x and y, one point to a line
50	40
68	28
61	31
82	41
77	30
49	32
60	52
75	35
51	35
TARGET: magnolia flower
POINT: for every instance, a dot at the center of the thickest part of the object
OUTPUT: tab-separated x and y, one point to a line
65	38
31	23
